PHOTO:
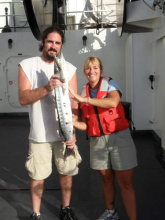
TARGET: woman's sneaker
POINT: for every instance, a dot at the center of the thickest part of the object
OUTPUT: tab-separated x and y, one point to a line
107	215
34	216
67	214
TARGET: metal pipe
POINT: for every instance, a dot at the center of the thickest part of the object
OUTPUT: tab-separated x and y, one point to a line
13	10
94	24
10	2
101	13
13	15
91	11
64	10
15	27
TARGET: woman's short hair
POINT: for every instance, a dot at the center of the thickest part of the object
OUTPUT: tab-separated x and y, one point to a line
95	61
49	30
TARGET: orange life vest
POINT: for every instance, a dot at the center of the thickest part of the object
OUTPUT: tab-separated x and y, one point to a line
102	121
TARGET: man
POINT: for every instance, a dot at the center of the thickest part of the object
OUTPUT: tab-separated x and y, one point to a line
36	89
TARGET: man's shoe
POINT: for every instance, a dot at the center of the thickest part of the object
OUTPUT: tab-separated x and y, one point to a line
67	214
34	216
109	216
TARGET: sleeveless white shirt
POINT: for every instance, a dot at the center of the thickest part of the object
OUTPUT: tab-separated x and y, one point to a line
43	113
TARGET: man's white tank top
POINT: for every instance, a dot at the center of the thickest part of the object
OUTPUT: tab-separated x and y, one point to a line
43	113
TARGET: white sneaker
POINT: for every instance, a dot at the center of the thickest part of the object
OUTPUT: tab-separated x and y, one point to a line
109	216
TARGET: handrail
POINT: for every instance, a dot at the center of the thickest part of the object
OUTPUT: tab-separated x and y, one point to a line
64	12
10	2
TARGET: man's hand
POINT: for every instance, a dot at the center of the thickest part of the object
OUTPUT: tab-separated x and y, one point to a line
70	147
71	143
54	82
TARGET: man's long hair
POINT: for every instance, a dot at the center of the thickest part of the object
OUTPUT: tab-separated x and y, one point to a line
49	30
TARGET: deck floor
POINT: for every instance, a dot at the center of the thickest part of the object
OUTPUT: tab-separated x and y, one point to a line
87	199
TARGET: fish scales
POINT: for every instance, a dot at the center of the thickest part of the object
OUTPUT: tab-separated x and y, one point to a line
63	105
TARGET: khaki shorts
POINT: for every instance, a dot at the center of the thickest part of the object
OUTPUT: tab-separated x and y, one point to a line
39	160
116	151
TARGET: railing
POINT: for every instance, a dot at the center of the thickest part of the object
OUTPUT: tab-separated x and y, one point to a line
73	19
12	14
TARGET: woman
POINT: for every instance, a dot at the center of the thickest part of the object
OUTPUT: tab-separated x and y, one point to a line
112	151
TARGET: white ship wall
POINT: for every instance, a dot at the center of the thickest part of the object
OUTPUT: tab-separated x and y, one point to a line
23	46
158	97
138	69
145	56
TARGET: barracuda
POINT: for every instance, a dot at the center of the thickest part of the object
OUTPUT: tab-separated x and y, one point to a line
63	106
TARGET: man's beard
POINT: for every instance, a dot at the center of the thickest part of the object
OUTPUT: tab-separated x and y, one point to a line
49	57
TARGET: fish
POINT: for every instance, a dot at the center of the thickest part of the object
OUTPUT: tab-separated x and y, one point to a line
63	107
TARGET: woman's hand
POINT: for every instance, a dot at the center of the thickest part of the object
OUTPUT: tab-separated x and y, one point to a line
74	121
81	125
78	97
